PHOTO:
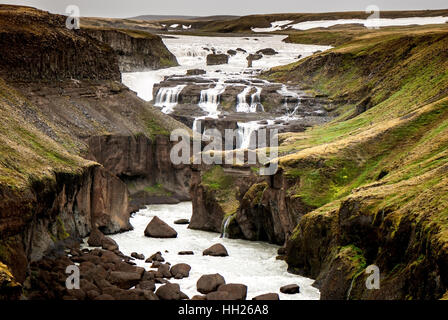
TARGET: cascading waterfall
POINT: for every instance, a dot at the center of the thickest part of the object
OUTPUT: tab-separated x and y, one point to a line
210	99
247	134
225	227
289	94
167	98
255	100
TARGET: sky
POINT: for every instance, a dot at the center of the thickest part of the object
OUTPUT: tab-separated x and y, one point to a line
131	8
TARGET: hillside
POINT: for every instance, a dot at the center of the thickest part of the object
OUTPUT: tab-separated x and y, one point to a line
367	188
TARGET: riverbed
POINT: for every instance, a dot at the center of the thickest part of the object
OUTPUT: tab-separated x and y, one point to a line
251	263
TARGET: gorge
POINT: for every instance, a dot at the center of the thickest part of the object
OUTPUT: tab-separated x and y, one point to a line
85	148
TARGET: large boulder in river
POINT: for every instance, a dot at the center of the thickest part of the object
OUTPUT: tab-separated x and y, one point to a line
290	289
180	270
209	283
235	291
216	250
170	291
216	59
159	229
267	52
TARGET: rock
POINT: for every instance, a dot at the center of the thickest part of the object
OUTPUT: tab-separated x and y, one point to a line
155	257
169	291
196	72
199	297
96	238
252	57
104	297
267	296
216	250
209	283
290	289
183	296
182	221
241	50
109	244
236	291
231	52
216	59
267	52
137	256
218	295
164	270
124	280
185	253
159	229
180	271
156	264
149	285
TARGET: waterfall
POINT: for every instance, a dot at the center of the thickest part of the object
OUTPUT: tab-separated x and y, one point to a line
225	227
255	100
289	94
167	98
247	134
242	105
210	99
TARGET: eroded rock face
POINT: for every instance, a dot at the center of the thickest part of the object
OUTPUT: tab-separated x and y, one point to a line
136	50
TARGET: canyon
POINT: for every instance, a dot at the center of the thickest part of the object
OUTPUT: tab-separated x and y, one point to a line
361	116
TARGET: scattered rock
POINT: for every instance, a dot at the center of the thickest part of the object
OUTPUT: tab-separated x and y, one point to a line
169	291
104	297
180	271
185	253
159	229
231	52
236	291
198	297
156	264
109	244
267	296
96	238
155	257
241	50
252	57
147	285
216	59
137	256
267	52
164	270
124	280
209	283
290	289
182	221
216	250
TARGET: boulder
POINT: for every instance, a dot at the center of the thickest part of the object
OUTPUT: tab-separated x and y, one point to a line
138	256
182	221
96	238
148	285
216	59
252	57
241	50
104	297
267	296
124	280
199	297
231	52
180	271
236	291
196	72
267	52
155	257
185	253
159	229
164	270
216	250
109	244
218	295
169	291
290	289
209	283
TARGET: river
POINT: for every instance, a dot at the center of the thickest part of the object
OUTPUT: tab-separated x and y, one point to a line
251	263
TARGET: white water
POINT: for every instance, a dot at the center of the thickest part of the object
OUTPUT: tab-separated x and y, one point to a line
167	98
191	53
246	132
376	22
210	99
242	105
250	263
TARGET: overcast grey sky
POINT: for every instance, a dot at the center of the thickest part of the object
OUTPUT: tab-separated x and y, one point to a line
130	8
